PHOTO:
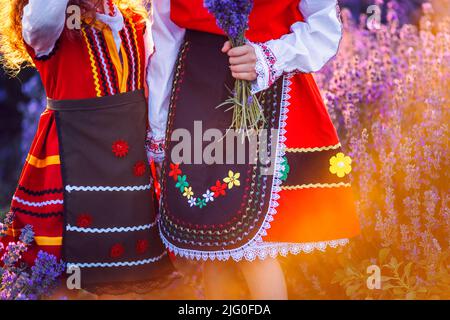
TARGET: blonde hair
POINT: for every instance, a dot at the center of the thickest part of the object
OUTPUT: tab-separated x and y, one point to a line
14	55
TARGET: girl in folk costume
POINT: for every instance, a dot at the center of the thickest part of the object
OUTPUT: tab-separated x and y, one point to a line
85	187
232	210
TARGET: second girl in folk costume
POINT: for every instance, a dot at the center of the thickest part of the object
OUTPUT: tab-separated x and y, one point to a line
85	188
223	211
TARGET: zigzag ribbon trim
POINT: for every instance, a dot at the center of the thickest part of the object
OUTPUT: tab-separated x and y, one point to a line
93	64
133	28
110	230
132	56
103	61
36	214
38	204
108	189
116	264
317	185
39	193
317	149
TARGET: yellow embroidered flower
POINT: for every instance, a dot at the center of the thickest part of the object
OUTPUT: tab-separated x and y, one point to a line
232	179
340	165
188	193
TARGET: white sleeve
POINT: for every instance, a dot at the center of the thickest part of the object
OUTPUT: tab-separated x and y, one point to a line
42	24
309	46
167	38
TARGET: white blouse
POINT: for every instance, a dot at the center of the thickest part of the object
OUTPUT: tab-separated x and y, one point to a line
307	48
43	22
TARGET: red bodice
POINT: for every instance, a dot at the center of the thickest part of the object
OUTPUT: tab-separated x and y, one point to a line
269	19
86	63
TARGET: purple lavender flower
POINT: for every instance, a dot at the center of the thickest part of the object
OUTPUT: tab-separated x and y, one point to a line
231	16
27	235
9	218
13	253
3	229
20	284
45	272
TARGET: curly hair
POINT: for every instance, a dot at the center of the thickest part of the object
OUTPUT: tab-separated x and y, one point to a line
13	52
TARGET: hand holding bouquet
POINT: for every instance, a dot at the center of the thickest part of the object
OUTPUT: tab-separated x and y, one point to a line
232	17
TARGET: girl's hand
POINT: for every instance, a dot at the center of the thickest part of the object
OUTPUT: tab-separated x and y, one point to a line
242	61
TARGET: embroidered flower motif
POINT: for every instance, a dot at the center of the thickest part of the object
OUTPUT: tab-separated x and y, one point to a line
232	179
269	60
174	171
139	168
141	246
340	165
182	183
188	193
84	220
155	147
285	169
120	148
192	202
117	251
200	203
219	189
209	196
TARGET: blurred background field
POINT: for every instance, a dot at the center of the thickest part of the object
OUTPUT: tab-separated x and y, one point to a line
388	94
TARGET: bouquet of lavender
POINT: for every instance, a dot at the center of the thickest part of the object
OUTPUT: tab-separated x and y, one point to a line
17	280
232	17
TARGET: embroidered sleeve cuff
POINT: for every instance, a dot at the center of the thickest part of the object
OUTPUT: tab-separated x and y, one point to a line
155	148
265	67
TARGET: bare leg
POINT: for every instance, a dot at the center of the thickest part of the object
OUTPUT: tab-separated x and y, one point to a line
220	280
265	279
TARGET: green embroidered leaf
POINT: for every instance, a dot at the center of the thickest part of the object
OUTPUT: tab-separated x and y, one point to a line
286	170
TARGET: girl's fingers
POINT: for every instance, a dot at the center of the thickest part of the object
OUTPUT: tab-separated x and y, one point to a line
249	76
243	62
247	59
240	51
250	67
226	47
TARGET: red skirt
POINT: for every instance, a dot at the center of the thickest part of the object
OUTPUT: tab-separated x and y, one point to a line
39	197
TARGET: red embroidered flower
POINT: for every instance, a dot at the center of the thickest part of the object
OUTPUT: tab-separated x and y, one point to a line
141	246
139	168
84	220
117	251
219	189
120	148
174	171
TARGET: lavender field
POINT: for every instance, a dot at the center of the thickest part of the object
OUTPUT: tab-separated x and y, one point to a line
388	94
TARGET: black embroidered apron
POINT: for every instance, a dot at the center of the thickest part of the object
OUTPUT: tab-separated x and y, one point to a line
212	210
110	233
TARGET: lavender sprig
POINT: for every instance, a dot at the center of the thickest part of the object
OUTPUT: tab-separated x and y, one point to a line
232	17
17	281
